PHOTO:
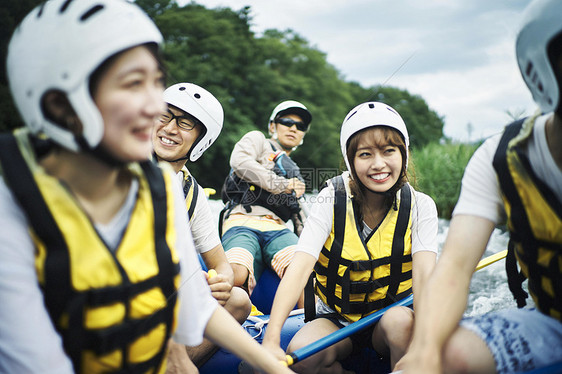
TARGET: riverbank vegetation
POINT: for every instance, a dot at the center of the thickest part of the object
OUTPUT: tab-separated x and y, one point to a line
438	170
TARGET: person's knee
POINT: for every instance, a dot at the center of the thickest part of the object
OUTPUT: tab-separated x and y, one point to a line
466	352
397	325
241	274
296	344
455	359
314	363
325	360
239	305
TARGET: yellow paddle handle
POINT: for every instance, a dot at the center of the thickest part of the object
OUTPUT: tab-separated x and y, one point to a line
491	259
212	273
209	191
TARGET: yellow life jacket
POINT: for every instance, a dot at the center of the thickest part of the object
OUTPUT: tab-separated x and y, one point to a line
357	277
190	191
534	219
115	311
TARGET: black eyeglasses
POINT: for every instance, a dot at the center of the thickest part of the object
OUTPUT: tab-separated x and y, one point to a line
186	123
290	122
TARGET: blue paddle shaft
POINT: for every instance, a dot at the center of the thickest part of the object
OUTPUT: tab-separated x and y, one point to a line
345	332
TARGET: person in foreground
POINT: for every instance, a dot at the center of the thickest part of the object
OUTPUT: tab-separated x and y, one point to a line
190	124
97	265
371	235
261	197
516	176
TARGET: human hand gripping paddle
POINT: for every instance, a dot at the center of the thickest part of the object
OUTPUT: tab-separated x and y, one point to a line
347	331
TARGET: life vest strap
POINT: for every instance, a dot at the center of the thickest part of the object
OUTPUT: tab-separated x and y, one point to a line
309	299
544	278
351	289
22	184
191	183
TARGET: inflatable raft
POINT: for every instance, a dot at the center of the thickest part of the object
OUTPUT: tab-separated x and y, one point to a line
366	361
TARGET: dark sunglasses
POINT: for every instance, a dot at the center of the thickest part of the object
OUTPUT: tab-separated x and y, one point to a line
186	123
290	122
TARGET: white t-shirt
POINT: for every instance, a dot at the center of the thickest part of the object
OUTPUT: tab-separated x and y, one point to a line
28	341
318	224
480	192
204	227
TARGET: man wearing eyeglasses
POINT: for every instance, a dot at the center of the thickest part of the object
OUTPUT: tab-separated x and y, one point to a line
191	123
261	195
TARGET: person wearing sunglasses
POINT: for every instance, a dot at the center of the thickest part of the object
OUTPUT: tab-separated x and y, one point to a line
190	124
261	195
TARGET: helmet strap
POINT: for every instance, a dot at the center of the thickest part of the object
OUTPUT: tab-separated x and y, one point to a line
181	158
100	153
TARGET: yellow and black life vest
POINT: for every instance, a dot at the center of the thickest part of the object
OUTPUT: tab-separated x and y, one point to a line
190	191
534	219
115	311
357	277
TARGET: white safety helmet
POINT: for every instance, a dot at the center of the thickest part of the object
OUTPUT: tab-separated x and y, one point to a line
58	46
542	22
366	115
290	107
202	105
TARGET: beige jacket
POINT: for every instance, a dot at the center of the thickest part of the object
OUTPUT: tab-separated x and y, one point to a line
251	160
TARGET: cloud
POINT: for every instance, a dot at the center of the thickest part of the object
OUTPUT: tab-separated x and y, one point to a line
458	55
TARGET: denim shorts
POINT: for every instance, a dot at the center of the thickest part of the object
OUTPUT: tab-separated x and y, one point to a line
519	339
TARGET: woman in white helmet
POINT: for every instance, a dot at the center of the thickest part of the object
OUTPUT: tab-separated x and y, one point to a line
514	178
97	266
370	239
192	121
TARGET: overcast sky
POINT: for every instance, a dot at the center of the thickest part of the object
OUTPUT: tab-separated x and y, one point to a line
458	55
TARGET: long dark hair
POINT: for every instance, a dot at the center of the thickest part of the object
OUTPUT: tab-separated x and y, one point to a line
389	136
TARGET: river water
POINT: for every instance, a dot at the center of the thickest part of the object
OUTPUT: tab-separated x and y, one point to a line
488	289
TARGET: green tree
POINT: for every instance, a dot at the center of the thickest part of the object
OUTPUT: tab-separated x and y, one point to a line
250	75
216	50
155	8
438	172
424	125
11	14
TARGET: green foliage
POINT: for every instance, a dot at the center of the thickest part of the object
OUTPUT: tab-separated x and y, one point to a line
250	75
424	125
11	14
438	172
155	8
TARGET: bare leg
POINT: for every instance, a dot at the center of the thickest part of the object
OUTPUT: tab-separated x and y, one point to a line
178	361
325	361
239	306
392	334
465	352
241	274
